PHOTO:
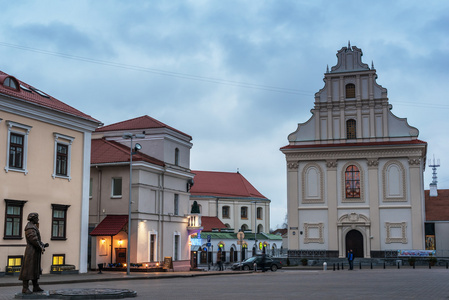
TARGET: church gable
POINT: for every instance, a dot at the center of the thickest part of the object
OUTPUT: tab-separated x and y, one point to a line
352	107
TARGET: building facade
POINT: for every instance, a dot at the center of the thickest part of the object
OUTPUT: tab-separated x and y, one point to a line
354	170
160	209
231	198
46	163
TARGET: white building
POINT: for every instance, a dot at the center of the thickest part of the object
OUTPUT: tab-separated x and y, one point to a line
160	206
354	170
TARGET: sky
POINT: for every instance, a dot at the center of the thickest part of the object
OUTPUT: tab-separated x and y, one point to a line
238	76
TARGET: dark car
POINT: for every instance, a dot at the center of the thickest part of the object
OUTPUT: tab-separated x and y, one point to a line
248	264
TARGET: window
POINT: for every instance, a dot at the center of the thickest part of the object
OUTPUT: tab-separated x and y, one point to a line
176	246
350	129
244	212
13	219
259	213
225	212
58	259
10	82
176	205
116	187
90	187
17	147
59	222
350	90
352	182
63	146
176	157
14	264
16	151
244	227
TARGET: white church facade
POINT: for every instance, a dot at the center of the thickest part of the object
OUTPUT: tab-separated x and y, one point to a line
354	170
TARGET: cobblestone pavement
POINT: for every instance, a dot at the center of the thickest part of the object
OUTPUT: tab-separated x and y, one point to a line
284	284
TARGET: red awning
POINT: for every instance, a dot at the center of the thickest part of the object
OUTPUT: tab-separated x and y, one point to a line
110	226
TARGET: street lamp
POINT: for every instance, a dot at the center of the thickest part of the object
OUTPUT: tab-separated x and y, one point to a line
255	225
137	147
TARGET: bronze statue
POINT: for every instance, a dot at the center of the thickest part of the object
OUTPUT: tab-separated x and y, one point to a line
31	266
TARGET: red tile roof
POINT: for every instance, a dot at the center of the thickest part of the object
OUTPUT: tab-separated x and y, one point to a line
387	143
143	122
223	184
104	151
437	208
37	97
110	226
211	222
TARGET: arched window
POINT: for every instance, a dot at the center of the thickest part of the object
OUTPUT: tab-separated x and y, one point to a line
350	129
176	157
350	90
259	228
244	227
352	182
10	82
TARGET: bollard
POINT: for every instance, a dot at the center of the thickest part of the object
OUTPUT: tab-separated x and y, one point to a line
360	265
334	266
384	265
399	266
338	266
371	265
446	265
255	267
413	265
324	266
342	266
430	266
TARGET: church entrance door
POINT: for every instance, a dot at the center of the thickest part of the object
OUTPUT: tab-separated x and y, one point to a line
354	241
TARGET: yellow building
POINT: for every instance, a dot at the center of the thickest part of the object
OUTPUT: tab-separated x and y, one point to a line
46	161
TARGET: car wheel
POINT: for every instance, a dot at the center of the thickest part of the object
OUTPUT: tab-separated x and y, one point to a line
274	268
245	268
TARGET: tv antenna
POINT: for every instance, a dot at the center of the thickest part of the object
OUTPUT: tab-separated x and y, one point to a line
434	167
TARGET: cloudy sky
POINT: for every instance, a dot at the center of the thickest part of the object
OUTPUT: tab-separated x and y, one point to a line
238	76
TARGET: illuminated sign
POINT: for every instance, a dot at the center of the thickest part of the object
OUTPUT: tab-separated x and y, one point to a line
196	242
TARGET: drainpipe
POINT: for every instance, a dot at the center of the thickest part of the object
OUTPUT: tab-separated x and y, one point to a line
216	206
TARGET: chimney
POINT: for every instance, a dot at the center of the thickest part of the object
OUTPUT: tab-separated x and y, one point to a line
433	190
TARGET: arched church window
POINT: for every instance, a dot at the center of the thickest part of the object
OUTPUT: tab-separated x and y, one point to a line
350	90
352	182
350	129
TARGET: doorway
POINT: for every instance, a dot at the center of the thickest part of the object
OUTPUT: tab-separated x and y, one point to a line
354	241
120	255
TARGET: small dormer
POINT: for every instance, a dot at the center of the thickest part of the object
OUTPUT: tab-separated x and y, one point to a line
10	82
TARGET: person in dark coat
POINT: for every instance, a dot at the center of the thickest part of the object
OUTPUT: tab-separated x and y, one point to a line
351	260
31	266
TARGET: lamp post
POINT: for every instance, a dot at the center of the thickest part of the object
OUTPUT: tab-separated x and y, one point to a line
130	136
255	225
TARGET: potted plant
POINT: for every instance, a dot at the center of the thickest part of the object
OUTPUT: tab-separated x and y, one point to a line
304	261
432	260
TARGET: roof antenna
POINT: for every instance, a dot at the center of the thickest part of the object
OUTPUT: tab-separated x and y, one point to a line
238	171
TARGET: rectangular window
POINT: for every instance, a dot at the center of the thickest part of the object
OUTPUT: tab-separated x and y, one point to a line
259	213
59	222
244	212
16	151
58	259
61	159
225	212
176	250
63	146
14	264
17	147
116	187
13	219
176	204
90	187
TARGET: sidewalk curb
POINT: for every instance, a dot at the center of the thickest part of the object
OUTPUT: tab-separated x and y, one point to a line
117	278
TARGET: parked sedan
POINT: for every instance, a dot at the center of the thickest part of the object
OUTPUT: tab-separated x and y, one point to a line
248	264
